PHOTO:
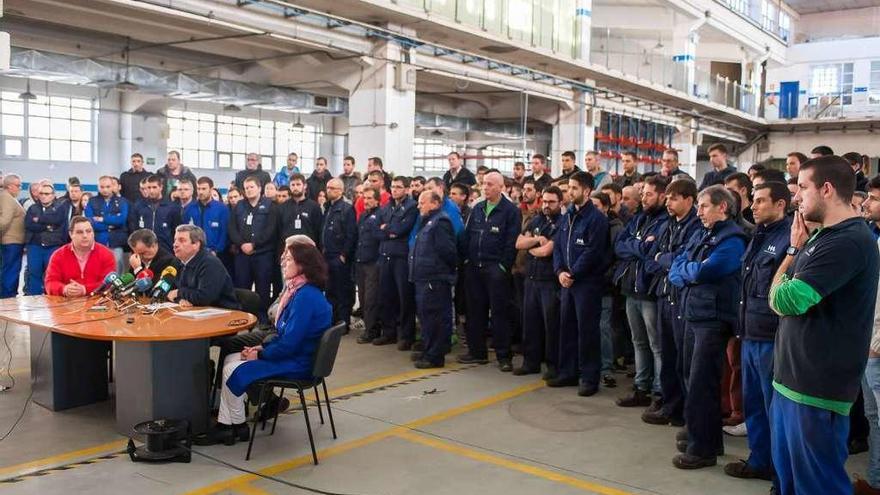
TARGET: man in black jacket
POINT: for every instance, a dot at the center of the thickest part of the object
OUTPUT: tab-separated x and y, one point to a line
252	227
432	263
253	168
339	241
130	180
300	215
147	254
318	180
720	168
201	280
367	266
172	173
458	172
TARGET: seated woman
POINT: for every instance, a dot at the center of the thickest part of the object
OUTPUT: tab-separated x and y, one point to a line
303	316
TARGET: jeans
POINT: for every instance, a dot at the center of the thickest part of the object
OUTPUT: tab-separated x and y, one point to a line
642	317
809	448
607	334
871	391
10	269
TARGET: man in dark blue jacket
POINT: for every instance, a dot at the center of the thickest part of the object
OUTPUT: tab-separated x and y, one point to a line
109	216
683	223
201	279
634	247
299	214
45	224
708	274
758	323
366	268
720	168
540	314
398	304
252	229
338	241
432	263
252	168
490	249
156	213
581	255
209	214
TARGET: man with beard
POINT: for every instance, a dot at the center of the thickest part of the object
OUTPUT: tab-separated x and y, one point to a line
318	180
300	215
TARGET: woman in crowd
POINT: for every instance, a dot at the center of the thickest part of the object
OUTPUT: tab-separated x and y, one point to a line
303	316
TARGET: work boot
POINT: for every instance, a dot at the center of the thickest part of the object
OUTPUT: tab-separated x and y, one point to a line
423	364
550	373
682	446
609	381
468	359
415	356
220	433
688	461
656	404
365	338
384	340
562	382
585	390
526	370
741	469
659	418
418	345
505	365
637	399
404	345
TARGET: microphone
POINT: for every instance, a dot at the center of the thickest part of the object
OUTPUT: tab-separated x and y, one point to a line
108	280
164	284
130	280
141	286
145	273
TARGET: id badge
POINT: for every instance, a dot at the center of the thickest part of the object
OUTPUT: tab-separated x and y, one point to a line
250	219
297	224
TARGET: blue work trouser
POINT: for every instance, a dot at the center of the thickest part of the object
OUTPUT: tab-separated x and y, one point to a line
580	354
37	261
434	305
398	305
488	289
705	344
10	269
809	448
254	272
540	317
340	289
757	383
670	333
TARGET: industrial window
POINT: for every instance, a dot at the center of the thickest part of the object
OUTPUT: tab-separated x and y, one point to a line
210	141
768	15
784	25
47	128
874	85
835	80
429	155
741	6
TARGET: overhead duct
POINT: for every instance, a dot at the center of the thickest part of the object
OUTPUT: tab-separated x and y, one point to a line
36	64
507	130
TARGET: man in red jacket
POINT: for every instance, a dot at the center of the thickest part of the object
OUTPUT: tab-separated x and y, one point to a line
78	268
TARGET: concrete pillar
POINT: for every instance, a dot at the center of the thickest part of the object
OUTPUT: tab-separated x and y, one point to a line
584	20
382	110
574	131
686	141
684	49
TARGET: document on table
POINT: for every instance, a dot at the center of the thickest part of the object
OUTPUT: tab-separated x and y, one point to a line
198	314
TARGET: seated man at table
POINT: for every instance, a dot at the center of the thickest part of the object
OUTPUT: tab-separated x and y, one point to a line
202	280
303	316
146	253
79	267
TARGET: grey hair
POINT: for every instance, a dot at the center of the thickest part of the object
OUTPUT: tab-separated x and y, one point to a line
196	234
298	239
7	179
145	236
719	194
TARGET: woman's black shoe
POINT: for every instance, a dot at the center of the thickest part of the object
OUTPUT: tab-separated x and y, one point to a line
267	412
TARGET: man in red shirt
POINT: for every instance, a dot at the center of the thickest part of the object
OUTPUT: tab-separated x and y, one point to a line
78	268
376	181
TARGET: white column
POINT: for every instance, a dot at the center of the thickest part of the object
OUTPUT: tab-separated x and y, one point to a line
686	141
382	111
684	54
574	131
584	19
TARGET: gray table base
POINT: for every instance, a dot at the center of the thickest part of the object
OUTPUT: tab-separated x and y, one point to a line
67	371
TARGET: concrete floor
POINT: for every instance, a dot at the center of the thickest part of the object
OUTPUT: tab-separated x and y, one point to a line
481	431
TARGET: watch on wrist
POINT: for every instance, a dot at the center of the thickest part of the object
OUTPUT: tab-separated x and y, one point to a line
792	250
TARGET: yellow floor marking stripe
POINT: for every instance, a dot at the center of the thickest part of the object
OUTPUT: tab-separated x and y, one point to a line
248	489
387	380
55	460
509	464
345	447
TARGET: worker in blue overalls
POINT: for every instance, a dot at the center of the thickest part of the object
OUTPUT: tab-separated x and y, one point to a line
45	225
109	216
398	302
581	255
339	243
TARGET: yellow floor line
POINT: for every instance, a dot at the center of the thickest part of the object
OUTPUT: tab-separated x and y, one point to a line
55	460
387	380
248	489
274	469
509	464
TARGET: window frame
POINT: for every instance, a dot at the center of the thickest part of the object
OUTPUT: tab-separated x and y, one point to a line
28	116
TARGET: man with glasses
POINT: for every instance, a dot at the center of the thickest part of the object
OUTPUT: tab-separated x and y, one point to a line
44	223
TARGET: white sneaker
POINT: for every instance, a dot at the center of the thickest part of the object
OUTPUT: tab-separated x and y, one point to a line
736	431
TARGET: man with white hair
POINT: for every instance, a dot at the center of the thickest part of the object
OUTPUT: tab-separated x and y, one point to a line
11	235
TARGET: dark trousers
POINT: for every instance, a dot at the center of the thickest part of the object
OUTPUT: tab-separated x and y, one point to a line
580	353
255	270
809	448
757	380
704	348
517	324
671	335
340	289
10	268
858	423
731	383
398	302
367	276
488	289
434	305
540	319
37	261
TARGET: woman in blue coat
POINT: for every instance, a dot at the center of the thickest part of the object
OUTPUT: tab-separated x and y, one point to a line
303	316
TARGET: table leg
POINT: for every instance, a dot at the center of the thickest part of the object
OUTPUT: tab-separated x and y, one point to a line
67	371
161	380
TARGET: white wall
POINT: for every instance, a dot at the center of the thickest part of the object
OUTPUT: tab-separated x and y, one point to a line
852	23
783	143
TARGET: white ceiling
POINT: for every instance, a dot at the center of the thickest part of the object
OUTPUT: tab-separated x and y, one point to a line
814	6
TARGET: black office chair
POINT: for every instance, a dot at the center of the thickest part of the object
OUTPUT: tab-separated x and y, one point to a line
250	301
325	357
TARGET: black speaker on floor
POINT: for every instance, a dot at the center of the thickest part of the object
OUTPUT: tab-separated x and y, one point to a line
165	440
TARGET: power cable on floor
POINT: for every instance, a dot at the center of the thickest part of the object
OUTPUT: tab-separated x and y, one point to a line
29	397
261	475
4	388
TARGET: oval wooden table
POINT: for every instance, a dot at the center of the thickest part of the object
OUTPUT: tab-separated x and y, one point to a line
161	360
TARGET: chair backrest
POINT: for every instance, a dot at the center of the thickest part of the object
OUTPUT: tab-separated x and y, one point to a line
249	300
328	347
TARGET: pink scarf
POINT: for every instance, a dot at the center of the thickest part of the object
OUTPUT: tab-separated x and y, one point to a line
290	289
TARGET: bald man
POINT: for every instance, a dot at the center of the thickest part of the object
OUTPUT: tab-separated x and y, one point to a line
490	243
339	240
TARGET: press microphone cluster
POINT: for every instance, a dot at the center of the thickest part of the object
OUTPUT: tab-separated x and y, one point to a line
115	285
164	284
